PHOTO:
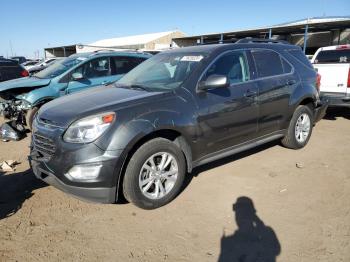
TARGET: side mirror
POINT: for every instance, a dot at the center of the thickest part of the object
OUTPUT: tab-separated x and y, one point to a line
77	76
214	81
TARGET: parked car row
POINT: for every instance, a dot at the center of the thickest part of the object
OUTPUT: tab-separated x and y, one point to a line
144	121
177	110
21	98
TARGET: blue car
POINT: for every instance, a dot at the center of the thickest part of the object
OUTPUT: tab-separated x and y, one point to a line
20	99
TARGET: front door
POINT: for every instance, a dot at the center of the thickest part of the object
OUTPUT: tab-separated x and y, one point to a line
228	115
95	72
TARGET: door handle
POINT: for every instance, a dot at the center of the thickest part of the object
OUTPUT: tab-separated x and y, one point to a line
250	93
291	82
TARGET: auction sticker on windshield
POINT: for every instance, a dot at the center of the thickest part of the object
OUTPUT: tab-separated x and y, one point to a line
192	58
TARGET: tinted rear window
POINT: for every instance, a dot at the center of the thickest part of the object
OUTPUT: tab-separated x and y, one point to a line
301	57
123	65
333	56
268	63
8	63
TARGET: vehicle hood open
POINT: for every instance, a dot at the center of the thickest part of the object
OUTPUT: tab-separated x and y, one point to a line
65	110
24	82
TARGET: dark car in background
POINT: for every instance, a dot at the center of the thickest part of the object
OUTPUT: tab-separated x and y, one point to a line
20	59
10	69
177	110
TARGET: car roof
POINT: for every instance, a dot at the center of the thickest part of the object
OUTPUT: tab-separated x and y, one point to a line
112	53
217	47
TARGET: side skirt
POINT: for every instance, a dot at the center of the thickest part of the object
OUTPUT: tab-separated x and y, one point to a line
239	148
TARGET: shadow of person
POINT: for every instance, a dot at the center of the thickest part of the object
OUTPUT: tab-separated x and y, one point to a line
15	189
253	240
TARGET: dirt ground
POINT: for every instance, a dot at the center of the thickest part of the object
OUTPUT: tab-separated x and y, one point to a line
299	202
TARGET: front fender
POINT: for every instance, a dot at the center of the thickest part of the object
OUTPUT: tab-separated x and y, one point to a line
129	133
38	95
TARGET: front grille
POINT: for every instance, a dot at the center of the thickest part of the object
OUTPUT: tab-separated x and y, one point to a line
43	144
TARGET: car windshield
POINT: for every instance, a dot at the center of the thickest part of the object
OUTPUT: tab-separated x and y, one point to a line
59	67
165	71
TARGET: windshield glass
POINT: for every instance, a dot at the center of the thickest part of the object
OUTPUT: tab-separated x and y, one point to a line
59	67
163	72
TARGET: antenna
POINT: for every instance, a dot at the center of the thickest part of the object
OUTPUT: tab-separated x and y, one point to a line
11	48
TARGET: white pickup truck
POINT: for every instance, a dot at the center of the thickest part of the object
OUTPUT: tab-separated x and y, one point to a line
333	64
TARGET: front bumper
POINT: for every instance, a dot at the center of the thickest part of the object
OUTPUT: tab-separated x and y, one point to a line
320	110
337	99
51	158
92	194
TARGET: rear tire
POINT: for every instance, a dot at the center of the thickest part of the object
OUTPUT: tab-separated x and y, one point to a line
155	174
300	128
30	117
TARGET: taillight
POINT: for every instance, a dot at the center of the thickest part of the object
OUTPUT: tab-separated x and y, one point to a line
349	78
24	73
342	47
318	82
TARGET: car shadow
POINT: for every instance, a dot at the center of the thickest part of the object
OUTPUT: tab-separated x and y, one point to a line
334	112
253	240
15	189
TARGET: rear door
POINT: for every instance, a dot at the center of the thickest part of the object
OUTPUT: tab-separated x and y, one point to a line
276	78
333	66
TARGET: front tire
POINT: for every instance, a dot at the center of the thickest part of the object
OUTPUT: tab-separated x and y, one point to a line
155	174
300	128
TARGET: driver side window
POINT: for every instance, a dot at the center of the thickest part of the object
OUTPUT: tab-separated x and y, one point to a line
95	68
233	65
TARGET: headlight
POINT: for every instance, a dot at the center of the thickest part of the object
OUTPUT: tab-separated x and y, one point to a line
25	105
88	129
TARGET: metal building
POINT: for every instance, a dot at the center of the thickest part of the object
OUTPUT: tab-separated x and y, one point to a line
310	33
146	42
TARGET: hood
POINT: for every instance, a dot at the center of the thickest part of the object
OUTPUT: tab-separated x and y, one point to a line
24	82
65	110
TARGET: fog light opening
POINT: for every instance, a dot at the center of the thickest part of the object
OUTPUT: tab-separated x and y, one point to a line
84	172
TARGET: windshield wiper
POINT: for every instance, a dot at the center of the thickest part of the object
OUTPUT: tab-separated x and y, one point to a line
133	86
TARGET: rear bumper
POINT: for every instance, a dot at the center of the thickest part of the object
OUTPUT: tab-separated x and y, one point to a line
337	99
320	110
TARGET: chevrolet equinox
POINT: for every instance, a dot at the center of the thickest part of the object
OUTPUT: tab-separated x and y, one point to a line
180	109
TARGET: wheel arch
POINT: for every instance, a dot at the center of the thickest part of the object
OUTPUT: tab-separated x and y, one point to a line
170	134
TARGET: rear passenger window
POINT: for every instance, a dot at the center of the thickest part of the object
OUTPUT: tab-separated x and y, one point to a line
122	65
233	65
287	68
268	63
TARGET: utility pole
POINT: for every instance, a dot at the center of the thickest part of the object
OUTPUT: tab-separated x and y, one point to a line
11	48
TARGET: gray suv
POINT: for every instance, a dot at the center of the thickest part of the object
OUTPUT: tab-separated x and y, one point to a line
179	109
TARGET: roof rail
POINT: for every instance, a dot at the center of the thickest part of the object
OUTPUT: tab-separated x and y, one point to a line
261	40
118	50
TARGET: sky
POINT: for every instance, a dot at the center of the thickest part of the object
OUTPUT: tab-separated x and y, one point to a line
30	26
